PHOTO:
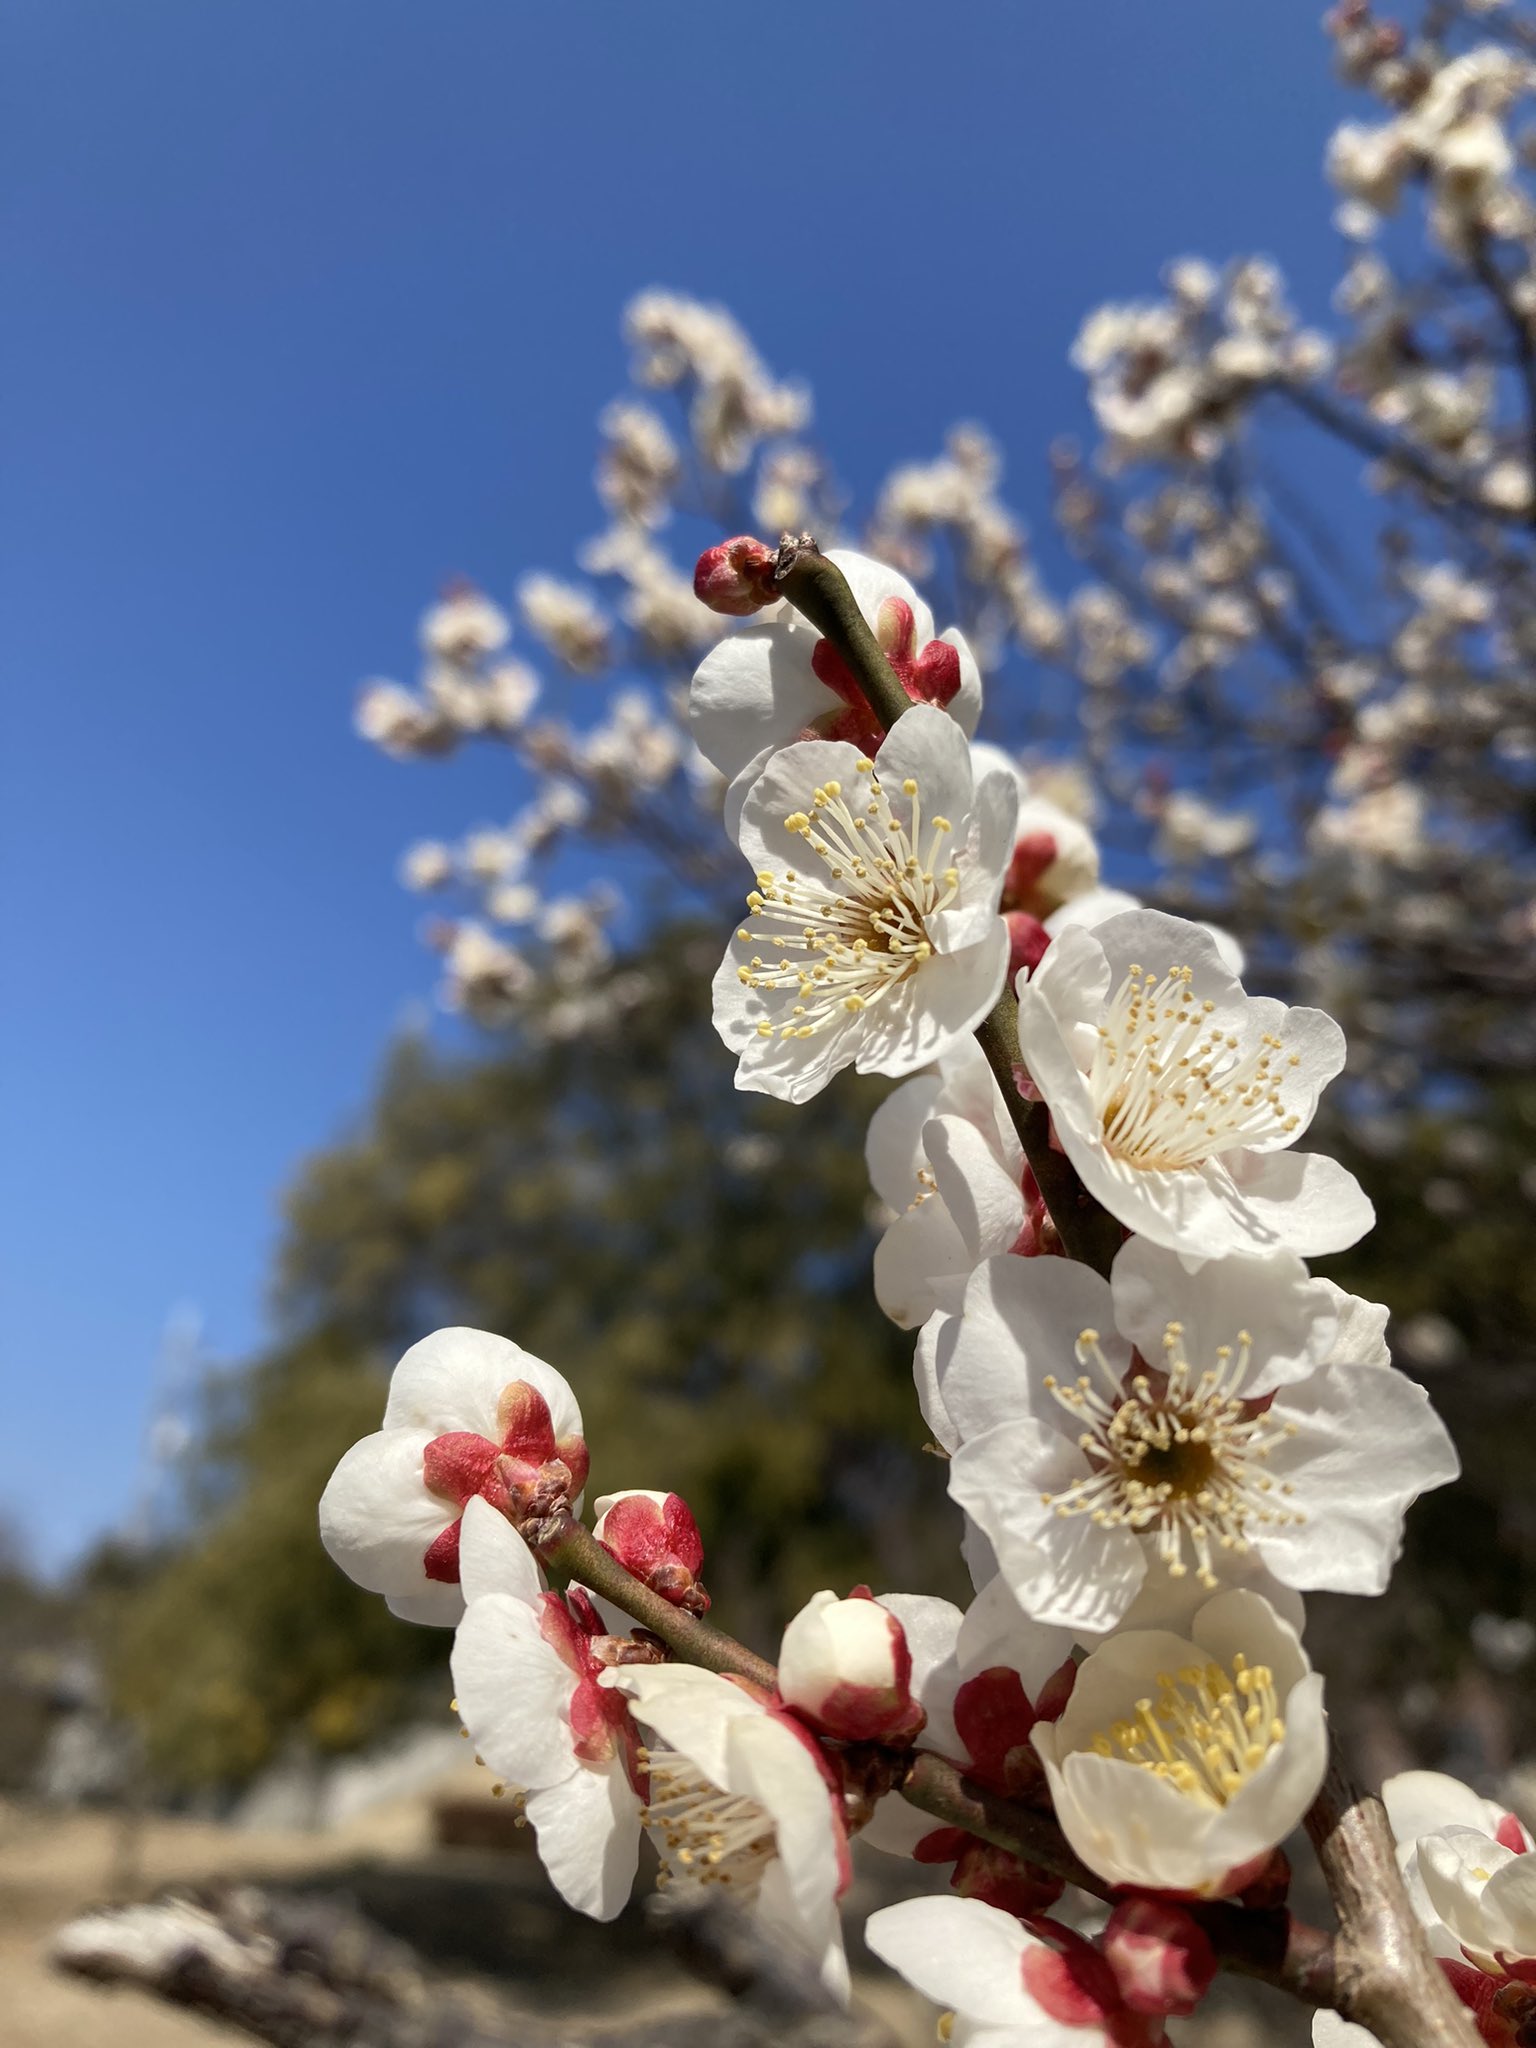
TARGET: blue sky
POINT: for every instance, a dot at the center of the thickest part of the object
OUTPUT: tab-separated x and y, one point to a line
311	306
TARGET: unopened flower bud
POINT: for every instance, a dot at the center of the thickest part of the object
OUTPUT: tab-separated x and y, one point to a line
996	1877
654	1537
1162	1958
845	1665
736	577
1027	941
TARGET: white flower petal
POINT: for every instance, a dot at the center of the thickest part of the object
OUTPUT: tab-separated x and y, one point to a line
514	1692
1020	1321
1290	1318
690	1709
893	1148
588	1828
1423	1802
1366	1444
377	1518
961	1954
493	1558
453	1379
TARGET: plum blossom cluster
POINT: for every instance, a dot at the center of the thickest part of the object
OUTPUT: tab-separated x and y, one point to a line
1160	1429
1226	638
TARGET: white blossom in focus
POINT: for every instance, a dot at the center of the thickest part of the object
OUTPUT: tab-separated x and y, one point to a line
1167	1423
1177	1096
874	938
1180	1764
467	1414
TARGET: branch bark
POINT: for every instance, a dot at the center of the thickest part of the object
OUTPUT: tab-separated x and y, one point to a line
1387	1979
576	1554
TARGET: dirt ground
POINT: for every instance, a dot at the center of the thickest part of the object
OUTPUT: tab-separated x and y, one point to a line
482	1918
478	1916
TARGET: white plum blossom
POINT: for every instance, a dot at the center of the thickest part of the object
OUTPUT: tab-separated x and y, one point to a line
467	1414
465	626
1176	1095
1003	1986
526	1681
739	1798
1167	1423
874	938
779	680
1181	1764
1470	1868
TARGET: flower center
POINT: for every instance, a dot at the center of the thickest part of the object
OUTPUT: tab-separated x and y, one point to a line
846	947
704	1836
1207	1732
1178	1454
1170	1088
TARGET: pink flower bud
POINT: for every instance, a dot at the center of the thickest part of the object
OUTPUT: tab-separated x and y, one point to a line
844	1665
998	1878
1027	941
736	577
654	1536
1162	1959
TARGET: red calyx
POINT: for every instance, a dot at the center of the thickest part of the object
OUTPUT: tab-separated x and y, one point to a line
528	1472
1027	941
929	677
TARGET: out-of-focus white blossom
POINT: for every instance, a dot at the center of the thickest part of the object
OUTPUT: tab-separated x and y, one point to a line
567	620
734	403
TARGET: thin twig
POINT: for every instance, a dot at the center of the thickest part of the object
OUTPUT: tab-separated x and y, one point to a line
572	1551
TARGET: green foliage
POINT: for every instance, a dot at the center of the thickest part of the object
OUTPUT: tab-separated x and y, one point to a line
695	1261
1455	1197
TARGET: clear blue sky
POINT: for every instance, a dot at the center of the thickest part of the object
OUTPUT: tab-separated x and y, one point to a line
311	305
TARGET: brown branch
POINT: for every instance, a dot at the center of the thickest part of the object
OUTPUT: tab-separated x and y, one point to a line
1387	1979
1088	1231
572	1551
819	589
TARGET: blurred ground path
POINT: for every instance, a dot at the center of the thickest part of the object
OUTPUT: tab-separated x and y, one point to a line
487	1919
